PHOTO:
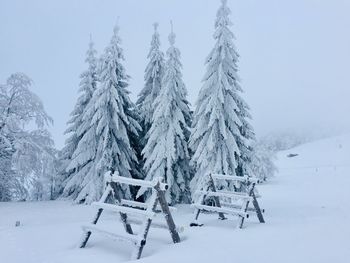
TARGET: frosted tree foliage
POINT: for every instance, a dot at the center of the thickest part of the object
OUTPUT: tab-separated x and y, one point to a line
217	119
76	126
35	164
20	106
111	122
27	154
246	140
153	78
166	152
262	162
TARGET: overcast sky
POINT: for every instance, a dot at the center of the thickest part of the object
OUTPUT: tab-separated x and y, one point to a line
294	65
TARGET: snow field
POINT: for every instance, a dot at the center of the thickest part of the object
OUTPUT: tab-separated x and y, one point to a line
307	220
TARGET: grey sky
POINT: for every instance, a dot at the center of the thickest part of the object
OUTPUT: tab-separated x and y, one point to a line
295	55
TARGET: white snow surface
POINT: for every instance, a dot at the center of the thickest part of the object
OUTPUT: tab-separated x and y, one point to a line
307	220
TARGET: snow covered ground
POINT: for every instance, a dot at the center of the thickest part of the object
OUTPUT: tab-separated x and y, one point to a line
307	214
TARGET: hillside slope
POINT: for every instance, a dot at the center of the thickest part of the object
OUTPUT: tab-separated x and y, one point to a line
307	220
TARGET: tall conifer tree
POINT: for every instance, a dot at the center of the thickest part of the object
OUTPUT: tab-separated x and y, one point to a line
166	152
221	132
111	123
153	81
88	85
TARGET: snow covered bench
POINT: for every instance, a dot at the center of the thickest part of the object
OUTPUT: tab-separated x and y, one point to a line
207	189
131	211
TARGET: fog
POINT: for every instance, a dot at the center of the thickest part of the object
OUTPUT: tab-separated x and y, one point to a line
294	64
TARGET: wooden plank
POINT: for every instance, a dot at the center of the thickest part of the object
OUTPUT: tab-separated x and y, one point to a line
235	206
87	234
168	217
141	205
123	217
226	194
123	209
216	198
107	193
146	226
257	209
134	204
251	192
154	224
197	212
234	178
229	177
221	210
136	182
119	237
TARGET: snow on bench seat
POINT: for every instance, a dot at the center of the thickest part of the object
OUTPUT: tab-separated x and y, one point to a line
135	182
235	206
118	237
235	195
155	224
123	209
221	210
141	205
234	178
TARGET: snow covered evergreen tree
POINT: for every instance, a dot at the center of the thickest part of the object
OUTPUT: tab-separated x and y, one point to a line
153	80
76	127
166	152
221	132
109	122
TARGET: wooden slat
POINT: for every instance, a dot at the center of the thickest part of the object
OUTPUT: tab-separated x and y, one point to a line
154	224
221	209
234	178
123	209
136	182
167	214
141	205
243	196
119	237
230	205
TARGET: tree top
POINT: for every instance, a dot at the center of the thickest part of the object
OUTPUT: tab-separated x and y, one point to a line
172	35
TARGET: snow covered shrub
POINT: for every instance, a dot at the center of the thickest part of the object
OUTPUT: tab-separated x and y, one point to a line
262	165
27	154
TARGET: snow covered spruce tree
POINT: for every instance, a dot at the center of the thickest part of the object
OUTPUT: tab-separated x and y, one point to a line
221	132
110	122
153	78
76	125
166	152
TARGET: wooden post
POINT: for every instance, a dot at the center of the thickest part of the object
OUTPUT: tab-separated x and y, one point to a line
104	197
198	210
168	218
146	226
88	234
123	216
250	192
216	198
257	209
255	204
